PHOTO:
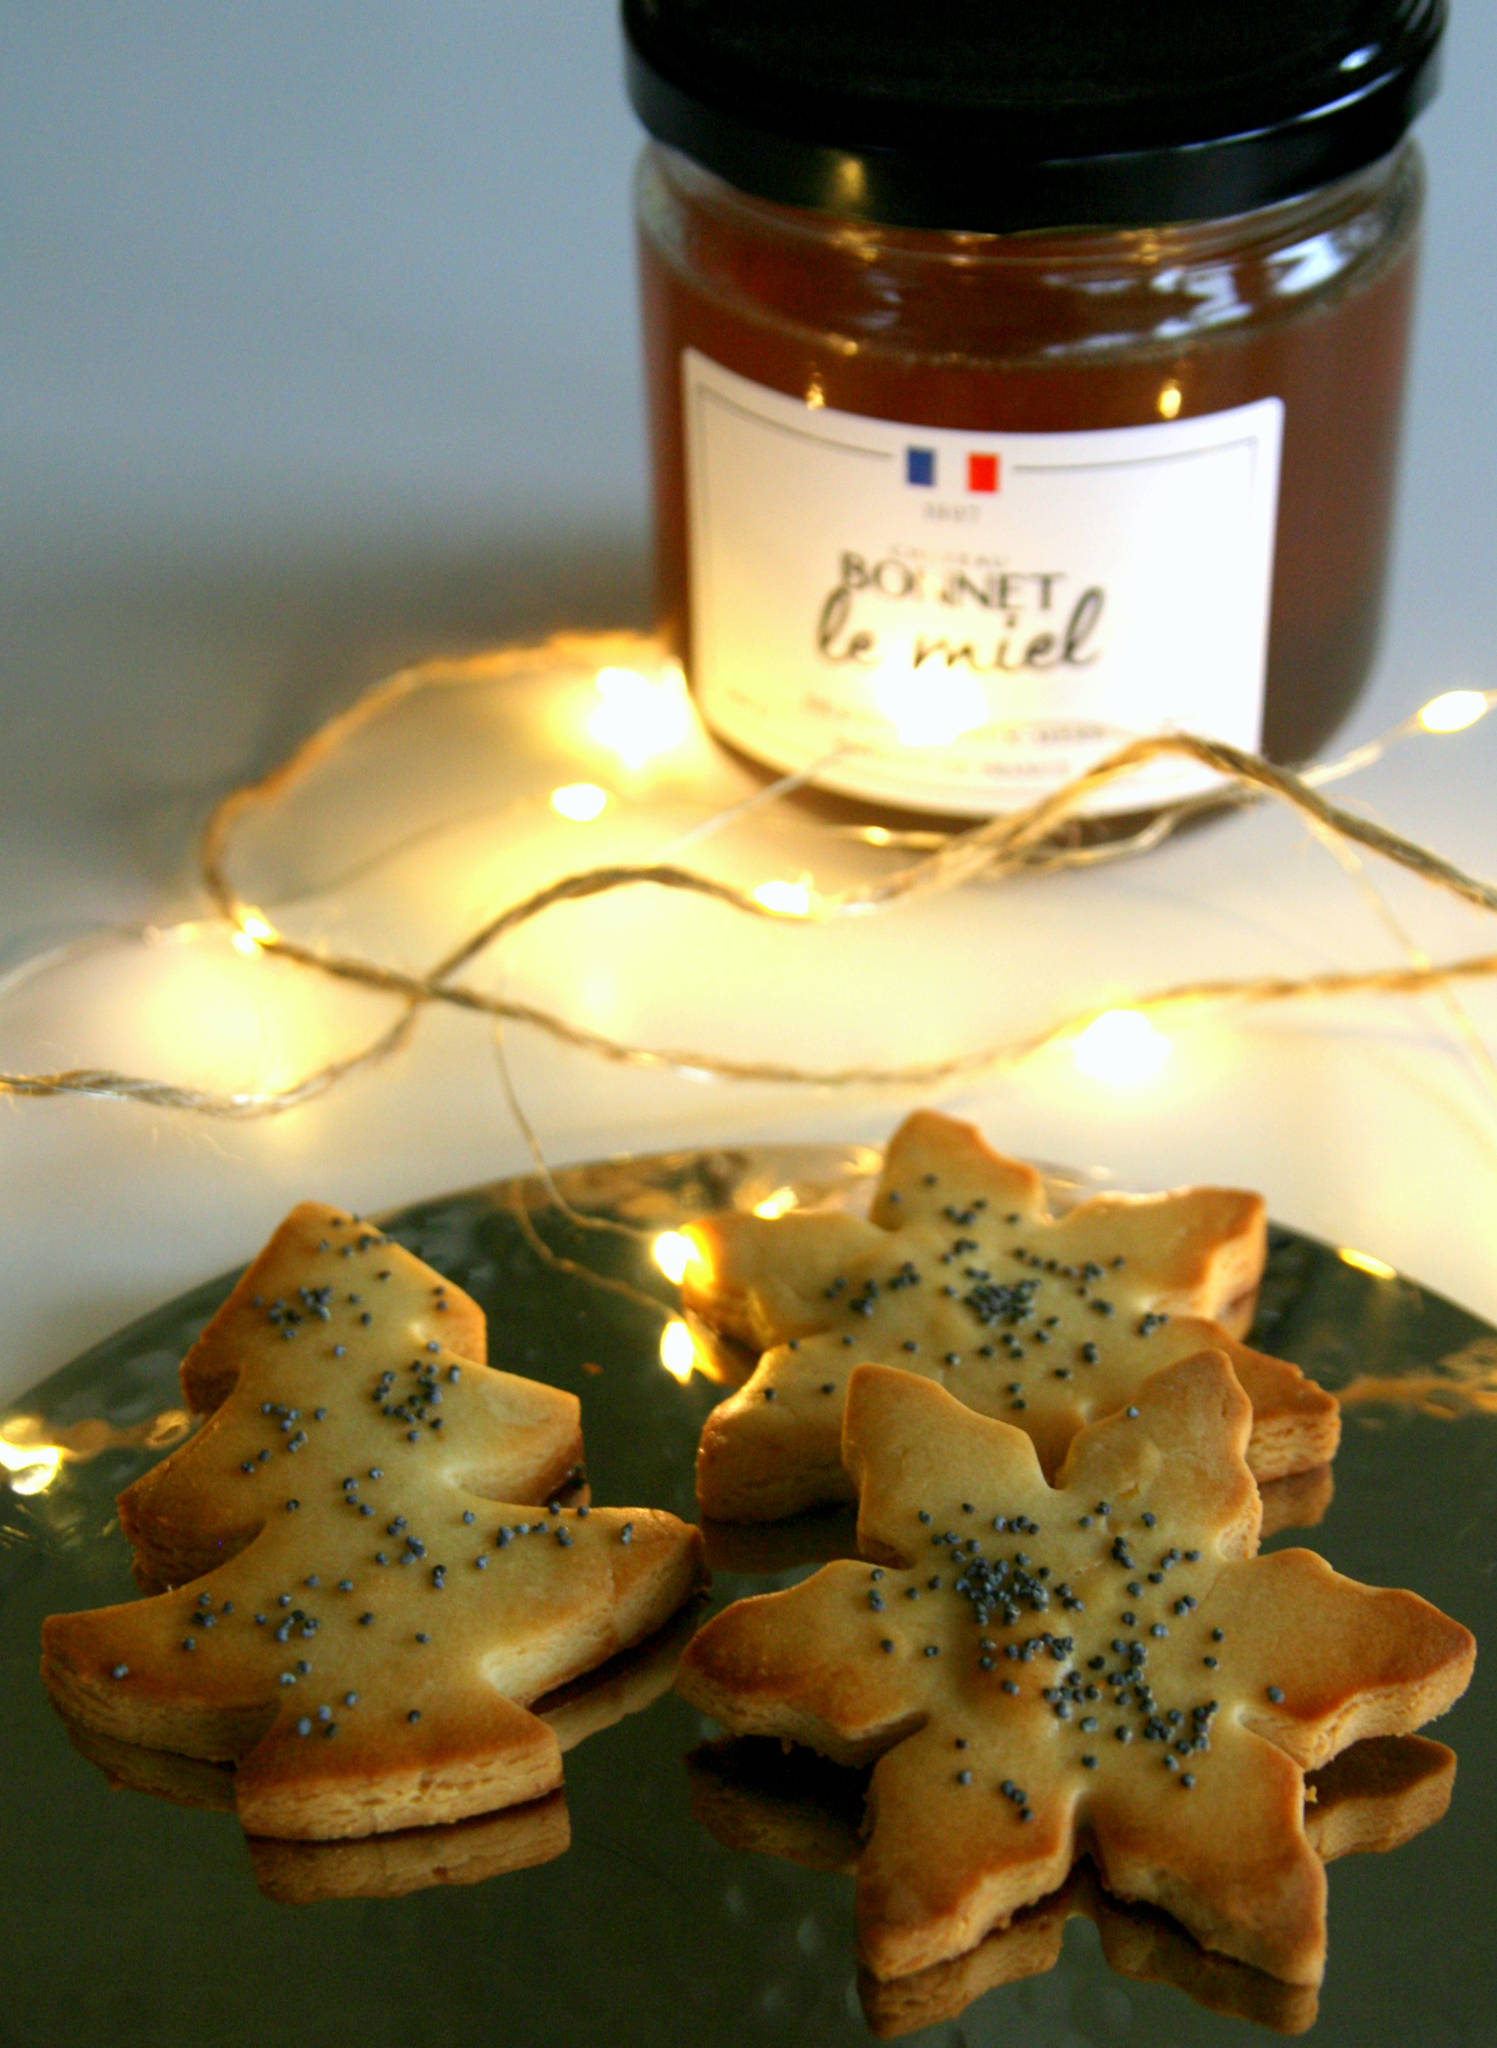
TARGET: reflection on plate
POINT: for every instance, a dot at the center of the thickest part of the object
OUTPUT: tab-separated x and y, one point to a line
390	1865
754	1796
650	1930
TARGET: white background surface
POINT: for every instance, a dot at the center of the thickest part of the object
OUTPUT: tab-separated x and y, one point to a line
319	355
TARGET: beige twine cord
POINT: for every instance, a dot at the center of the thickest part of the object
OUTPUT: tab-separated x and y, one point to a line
1032	839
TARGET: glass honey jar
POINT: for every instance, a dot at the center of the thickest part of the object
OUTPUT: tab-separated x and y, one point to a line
1024	379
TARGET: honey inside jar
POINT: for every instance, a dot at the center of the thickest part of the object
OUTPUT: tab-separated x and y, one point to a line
1115	477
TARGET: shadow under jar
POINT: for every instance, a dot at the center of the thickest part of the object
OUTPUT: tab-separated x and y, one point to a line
947	512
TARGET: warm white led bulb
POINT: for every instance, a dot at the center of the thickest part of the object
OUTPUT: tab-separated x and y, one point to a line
1121	1047
579	801
787	899
639	718
1453	710
252	933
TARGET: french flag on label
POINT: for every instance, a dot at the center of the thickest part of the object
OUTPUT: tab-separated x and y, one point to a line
983	470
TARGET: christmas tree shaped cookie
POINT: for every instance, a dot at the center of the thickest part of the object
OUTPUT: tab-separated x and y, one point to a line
1102	1667
376	1591
963	1276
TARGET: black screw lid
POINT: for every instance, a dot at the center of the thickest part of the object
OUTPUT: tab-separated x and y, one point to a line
996	115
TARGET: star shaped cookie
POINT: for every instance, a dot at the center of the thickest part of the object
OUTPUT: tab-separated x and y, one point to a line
962	1275
1103	1667
385	1595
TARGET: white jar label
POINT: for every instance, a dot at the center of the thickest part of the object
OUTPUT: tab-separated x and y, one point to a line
960	622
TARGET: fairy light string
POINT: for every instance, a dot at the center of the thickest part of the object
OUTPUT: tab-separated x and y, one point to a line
1038	838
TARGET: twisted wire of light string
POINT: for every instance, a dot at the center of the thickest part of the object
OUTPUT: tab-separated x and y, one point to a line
1031	839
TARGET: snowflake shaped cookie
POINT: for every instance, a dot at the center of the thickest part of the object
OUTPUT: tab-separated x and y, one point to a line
1100	1667
963	1276
376	1595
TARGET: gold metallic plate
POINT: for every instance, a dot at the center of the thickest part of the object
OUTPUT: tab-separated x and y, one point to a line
676	1898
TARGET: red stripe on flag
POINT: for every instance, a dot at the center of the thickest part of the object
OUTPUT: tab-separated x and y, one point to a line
982	472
